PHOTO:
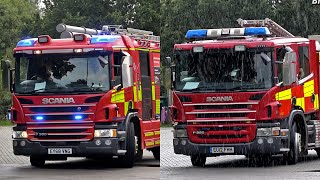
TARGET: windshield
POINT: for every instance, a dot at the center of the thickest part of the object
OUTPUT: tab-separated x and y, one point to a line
224	70
62	73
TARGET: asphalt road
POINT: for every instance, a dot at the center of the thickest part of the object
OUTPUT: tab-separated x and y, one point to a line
18	167
174	166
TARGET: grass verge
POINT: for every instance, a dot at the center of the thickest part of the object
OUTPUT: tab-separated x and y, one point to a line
166	125
5	123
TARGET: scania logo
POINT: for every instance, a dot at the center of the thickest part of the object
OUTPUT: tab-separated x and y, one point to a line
219	98
57	100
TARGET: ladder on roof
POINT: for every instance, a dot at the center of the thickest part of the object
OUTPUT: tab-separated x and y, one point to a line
273	27
68	31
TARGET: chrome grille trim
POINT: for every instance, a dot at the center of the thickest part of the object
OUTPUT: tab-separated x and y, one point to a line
60	122
219	104
221	112
221	120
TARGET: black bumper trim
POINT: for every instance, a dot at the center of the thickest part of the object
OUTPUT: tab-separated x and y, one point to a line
239	149
88	148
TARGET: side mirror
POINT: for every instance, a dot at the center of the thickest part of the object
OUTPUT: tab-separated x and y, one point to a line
289	68
6	75
127	73
168	61
172	70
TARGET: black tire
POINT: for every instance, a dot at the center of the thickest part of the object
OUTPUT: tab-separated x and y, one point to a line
198	160
37	161
318	152
156	152
293	155
139	150
128	159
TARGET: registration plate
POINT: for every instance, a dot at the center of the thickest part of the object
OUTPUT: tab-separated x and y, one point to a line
218	150
60	151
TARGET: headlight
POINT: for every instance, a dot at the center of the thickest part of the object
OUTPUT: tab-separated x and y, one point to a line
105	133
275	131
264	132
19	134
179	133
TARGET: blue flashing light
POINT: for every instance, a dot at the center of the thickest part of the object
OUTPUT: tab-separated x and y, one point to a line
256	31
27	42
103	39
77	117
39	118
197	33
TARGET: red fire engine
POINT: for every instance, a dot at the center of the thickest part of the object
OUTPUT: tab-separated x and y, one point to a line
95	94
249	91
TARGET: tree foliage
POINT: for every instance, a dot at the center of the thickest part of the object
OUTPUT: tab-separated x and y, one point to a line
297	16
15	18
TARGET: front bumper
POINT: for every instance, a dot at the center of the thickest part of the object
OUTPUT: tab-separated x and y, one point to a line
278	146
79	149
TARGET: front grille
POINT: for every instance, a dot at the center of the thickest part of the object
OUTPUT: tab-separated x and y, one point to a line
221	123
59	117
58	123
234	106
59	130
220	115
222	133
60	143
59	109
50	137
221	136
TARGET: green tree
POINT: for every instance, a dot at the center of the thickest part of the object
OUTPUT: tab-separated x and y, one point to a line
15	19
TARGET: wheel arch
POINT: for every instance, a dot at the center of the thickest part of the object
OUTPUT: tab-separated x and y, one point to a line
297	116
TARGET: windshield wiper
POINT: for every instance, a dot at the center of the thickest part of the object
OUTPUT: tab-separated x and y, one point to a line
246	87
43	90
86	89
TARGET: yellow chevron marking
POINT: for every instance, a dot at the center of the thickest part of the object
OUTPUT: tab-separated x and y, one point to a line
300	102
308	88
157	142
147	134
283	95
158	106
117	97
316	102
149	143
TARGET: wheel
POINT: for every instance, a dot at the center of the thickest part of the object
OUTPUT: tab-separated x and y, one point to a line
139	151
37	161
156	152
198	160
128	159
318	152
295	146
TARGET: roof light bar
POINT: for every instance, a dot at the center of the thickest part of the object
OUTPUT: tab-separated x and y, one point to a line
26	42
103	39
249	31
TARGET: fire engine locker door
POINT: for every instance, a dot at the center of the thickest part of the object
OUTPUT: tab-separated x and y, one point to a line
146	85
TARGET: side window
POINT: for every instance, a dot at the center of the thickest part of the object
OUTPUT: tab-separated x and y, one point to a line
145	64
281	52
304	63
117	67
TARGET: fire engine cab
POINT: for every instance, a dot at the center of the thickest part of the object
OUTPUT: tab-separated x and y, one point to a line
250	91
93	93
